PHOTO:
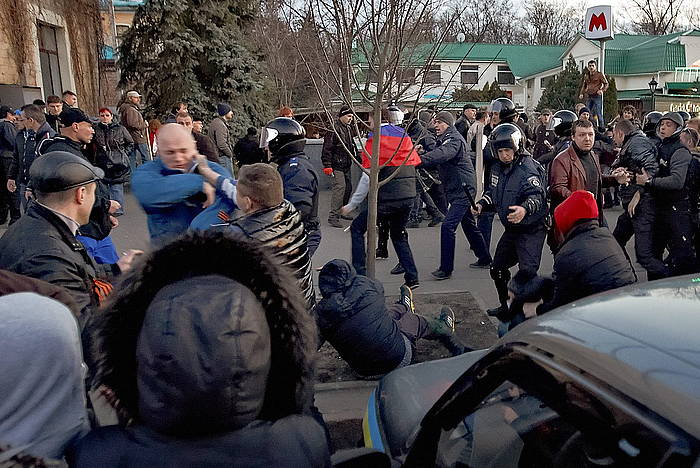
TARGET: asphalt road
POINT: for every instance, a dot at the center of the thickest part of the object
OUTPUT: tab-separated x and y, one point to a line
425	243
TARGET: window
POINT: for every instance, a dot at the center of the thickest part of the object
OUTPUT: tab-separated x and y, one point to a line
48	58
433	75
470	74
546	82
505	76
406	75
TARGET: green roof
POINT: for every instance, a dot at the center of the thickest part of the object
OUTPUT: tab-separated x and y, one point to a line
631	54
629	94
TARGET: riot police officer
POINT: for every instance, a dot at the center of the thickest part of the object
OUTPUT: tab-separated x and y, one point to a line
651	121
673	225
285	139
516	191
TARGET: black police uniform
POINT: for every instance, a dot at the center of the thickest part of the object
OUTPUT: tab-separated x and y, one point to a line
638	152
522	183
673	225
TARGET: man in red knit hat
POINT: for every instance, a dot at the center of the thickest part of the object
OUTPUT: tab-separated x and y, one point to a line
589	259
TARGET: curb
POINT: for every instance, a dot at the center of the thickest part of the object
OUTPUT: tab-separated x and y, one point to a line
345	385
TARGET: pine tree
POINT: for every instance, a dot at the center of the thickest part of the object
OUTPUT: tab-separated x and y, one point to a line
562	92
610	106
194	52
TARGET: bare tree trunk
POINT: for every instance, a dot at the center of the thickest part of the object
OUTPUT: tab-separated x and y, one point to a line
373	195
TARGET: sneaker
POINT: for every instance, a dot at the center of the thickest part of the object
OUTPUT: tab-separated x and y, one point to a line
436	221
413	224
381	254
480	264
440	275
407	298
347	218
397	270
413	284
443	324
335	222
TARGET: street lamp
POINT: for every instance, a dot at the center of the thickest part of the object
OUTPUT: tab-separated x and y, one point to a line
652	87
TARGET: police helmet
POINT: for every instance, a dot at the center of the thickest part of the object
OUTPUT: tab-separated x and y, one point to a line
562	122
506	135
651	120
283	135
674	117
505	108
684	115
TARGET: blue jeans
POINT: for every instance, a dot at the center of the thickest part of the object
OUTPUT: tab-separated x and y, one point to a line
226	162
116	193
103	251
595	105
396	220
139	155
459	213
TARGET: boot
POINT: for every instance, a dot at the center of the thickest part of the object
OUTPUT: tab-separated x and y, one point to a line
437	219
381	253
442	329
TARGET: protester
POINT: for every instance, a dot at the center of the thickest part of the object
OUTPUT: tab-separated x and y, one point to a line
370	336
594	85
544	136
42	244
673	229
54	105
561	123
398	161
267	217
9	202
457	174
589	260
197	124
338	153
76	132
247	149
70	99
42	392
113	144
171	191
285	140
11	283
204	144
221	363
132	119
516	191
690	138
153	127
526	292
35	130
466	119
637	152
176	109
220	133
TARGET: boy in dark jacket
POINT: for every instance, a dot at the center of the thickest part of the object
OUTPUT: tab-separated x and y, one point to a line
372	337
589	260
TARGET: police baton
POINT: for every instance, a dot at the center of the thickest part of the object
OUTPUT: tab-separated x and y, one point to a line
469	196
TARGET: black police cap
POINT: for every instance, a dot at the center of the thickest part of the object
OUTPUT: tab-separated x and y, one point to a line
58	171
72	115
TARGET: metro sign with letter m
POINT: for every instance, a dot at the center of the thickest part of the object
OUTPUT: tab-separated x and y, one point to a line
599	23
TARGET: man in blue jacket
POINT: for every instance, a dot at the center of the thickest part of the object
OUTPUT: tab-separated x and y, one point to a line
172	192
457	174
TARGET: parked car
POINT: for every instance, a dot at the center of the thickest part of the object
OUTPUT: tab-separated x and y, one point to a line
611	380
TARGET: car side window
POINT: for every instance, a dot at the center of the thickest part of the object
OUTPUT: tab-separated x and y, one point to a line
511	428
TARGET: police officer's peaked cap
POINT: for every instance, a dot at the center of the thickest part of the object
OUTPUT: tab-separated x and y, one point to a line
59	170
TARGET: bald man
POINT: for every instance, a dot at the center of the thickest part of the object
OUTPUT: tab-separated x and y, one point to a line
171	190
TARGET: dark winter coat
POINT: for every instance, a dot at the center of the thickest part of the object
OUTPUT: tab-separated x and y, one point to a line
561	145
206	147
453	163
227	381
24	154
247	151
8	132
11	283
588	262
693	184
668	186
334	154
300	186
40	245
542	135
132	119
638	152
353	317
100	225
221	136
462	126
520	183
113	143
280	229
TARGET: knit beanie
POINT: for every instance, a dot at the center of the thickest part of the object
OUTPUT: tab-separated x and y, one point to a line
582	110
445	116
580	205
345	110
222	108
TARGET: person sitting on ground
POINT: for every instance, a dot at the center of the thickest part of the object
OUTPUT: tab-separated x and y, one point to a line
170	189
372	338
207	363
589	260
42	391
263	214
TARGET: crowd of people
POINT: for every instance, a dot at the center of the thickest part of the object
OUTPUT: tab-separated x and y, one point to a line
203	346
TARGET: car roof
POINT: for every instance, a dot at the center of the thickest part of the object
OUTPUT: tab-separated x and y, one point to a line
643	340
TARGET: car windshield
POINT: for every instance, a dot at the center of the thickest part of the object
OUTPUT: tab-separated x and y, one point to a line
511	428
